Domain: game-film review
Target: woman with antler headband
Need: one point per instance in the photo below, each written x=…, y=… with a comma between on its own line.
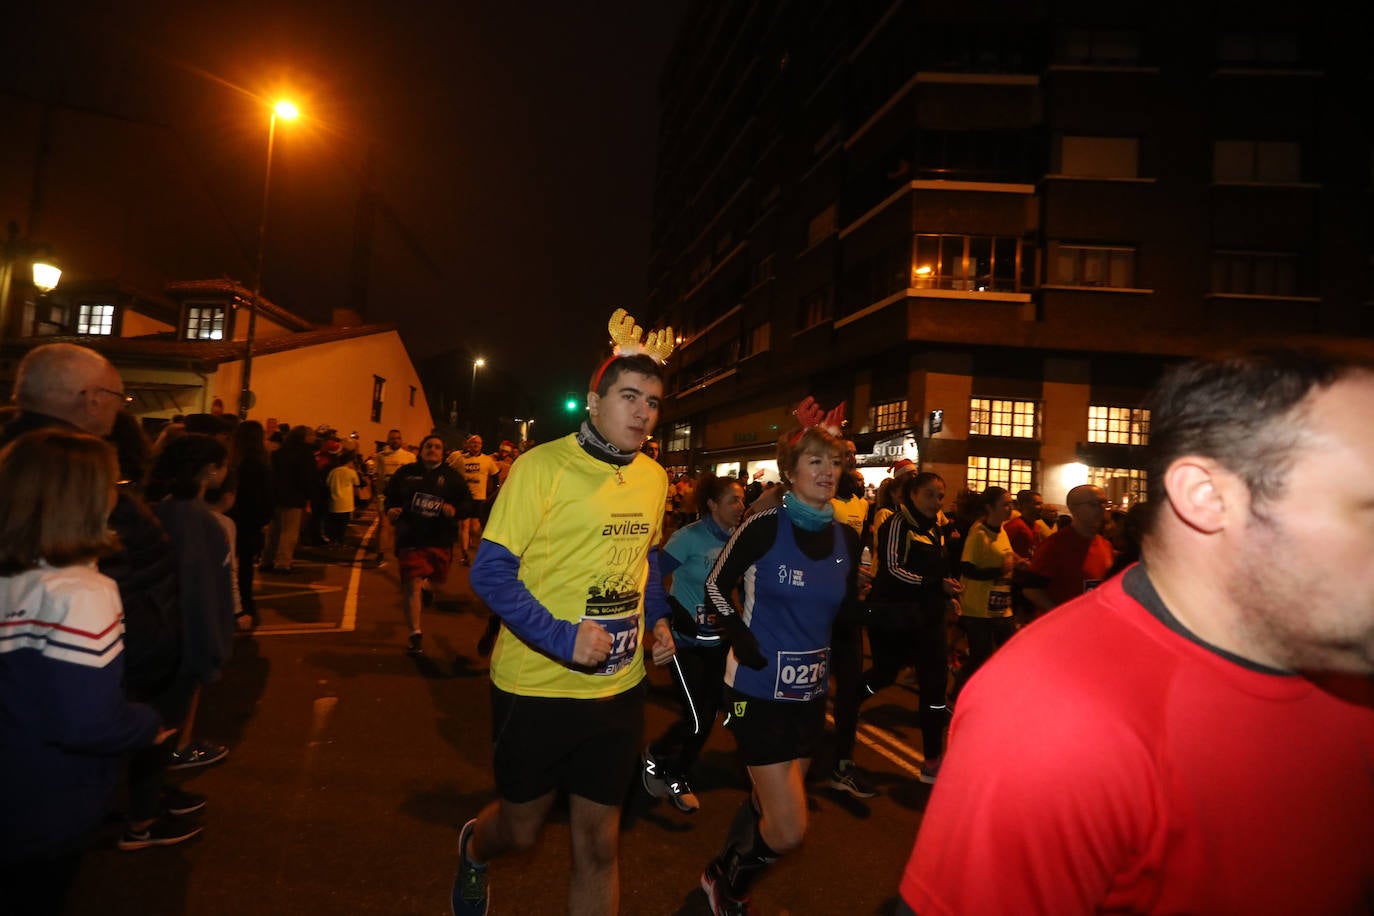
x=796, y=569
x=568, y=562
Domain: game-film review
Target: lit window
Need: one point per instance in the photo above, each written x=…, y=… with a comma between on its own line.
x=95, y=318
x=1124, y=486
x=889, y=416
x=1255, y=273
x=205, y=322
x=680, y=438
x=1119, y=425
x=1013, y=474
x=973, y=262
x=1014, y=419
x=1256, y=161
x=1092, y=265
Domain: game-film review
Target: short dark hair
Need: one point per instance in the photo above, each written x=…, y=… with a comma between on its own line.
x=989, y=498
x=1025, y=496
x=177, y=469
x=607, y=373
x=1246, y=412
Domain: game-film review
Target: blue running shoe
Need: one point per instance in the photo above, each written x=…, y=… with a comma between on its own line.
x=469, y=895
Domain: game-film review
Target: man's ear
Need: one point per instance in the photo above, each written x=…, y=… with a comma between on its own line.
x=1199, y=490
x=593, y=402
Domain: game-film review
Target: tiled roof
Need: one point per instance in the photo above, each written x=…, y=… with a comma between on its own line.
x=183, y=289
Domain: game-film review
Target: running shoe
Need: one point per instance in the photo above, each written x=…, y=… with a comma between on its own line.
x=200, y=754
x=849, y=778
x=929, y=770
x=652, y=775
x=718, y=894
x=180, y=802
x=165, y=831
x=413, y=648
x=681, y=794
x=469, y=895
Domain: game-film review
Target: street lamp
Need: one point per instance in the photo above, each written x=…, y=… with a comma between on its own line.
x=14, y=252
x=289, y=112
x=477, y=363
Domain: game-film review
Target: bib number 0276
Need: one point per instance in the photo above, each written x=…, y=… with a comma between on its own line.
x=801, y=675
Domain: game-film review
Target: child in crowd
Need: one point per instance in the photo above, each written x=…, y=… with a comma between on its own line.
x=64, y=719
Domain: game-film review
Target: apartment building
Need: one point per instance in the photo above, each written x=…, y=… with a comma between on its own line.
x=986, y=228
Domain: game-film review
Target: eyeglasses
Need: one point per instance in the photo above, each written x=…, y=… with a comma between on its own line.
x=127, y=399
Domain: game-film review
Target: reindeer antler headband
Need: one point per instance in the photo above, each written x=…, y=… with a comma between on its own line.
x=810, y=414
x=629, y=339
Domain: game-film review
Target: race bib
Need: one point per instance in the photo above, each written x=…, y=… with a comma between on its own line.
x=624, y=641
x=426, y=505
x=801, y=675
x=999, y=601
x=706, y=621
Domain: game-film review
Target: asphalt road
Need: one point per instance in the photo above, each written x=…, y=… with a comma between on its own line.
x=352, y=766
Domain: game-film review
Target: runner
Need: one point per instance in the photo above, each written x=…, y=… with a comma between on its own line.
x=568, y=562
x=795, y=567
x=699, y=668
x=425, y=501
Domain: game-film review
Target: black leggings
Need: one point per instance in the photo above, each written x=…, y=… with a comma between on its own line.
x=699, y=672
x=846, y=667
x=925, y=644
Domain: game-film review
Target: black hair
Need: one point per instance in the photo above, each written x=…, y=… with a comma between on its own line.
x=177, y=469
x=607, y=373
x=1246, y=412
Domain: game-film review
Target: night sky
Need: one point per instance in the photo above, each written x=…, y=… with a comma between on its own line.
x=514, y=147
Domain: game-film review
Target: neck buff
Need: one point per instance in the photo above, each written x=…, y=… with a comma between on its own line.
x=595, y=444
x=807, y=518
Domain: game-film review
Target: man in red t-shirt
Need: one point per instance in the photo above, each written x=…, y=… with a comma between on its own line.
x=1020, y=529
x=1111, y=757
x=1074, y=559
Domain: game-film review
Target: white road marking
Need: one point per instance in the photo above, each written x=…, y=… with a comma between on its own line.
x=900, y=753
x=349, y=622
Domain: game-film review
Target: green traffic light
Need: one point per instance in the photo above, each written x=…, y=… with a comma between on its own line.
x=570, y=405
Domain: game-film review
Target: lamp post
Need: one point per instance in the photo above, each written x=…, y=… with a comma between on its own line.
x=477, y=363
x=14, y=252
x=288, y=112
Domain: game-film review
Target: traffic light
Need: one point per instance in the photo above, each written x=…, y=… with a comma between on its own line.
x=570, y=403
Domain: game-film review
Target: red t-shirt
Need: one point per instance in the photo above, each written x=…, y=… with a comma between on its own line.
x=1072, y=563
x=1103, y=762
x=1021, y=537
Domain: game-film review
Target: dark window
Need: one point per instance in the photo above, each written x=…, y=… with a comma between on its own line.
x=378, y=390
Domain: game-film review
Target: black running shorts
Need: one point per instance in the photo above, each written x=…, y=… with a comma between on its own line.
x=774, y=731
x=588, y=747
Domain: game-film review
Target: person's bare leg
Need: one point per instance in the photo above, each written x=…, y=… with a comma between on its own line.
x=781, y=793
x=595, y=886
x=504, y=827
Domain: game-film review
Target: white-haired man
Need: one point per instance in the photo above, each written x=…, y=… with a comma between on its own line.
x=65, y=385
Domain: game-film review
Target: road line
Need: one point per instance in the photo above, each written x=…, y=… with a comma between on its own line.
x=902, y=754
x=350, y=612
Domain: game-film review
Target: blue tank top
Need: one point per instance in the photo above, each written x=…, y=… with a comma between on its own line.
x=790, y=602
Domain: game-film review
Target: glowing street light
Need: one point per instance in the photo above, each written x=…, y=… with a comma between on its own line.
x=45, y=276
x=288, y=112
